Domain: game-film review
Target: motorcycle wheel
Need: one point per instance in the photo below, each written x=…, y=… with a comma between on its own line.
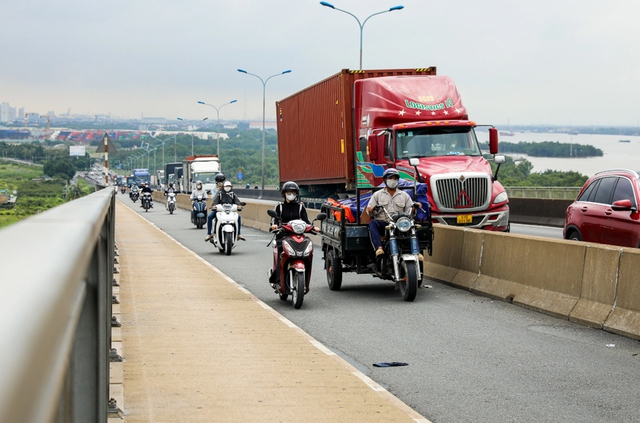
x=409, y=283
x=334, y=271
x=298, y=289
x=228, y=243
x=199, y=223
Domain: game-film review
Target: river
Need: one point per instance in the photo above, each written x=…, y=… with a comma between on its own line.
x=617, y=154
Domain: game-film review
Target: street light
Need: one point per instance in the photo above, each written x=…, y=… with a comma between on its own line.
x=264, y=85
x=324, y=3
x=218, y=113
x=192, y=131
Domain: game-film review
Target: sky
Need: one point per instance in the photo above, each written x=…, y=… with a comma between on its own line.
x=545, y=62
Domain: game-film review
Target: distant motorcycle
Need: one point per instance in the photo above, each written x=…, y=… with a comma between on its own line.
x=171, y=202
x=226, y=229
x=295, y=261
x=146, y=201
x=199, y=212
x=134, y=195
x=123, y=189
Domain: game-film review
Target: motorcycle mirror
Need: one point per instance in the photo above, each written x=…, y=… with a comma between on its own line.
x=272, y=213
x=242, y=203
x=321, y=216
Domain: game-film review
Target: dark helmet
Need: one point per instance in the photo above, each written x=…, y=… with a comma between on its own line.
x=390, y=172
x=220, y=178
x=290, y=186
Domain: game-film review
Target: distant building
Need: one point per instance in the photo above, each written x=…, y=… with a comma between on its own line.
x=258, y=125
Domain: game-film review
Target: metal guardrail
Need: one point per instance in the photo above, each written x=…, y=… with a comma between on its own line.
x=564, y=193
x=55, y=313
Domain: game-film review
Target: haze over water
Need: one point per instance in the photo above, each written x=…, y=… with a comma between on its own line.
x=616, y=154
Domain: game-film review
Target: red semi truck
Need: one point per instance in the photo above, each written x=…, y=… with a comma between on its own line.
x=343, y=132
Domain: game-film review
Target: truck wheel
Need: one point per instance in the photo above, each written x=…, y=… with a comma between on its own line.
x=334, y=271
x=298, y=289
x=409, y=283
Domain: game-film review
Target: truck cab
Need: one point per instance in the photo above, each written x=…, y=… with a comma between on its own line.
x=404, y=118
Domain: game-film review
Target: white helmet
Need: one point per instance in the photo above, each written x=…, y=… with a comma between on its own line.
x=227, y=186
x=199, y=184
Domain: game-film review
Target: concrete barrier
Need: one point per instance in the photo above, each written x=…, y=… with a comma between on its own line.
x=598, y=292
x=625, y=317
x=444, y=263
x=470, y=259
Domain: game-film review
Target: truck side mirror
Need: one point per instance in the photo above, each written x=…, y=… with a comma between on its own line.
x=493, y=141
x=374, y=151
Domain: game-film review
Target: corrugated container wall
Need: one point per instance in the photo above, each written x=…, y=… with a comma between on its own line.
x=315, y=128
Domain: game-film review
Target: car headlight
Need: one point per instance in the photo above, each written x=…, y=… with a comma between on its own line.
x=501, y=198
x=403, y=224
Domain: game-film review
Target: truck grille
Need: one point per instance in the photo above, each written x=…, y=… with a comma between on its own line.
x=461, y=192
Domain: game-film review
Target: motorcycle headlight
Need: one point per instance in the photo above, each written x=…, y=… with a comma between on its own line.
x=501, y=198
x=288, y=249
x=403, y=224
x=308, y=250
x=298, y=227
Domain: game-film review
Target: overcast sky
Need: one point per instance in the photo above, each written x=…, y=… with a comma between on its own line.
x=561, y=62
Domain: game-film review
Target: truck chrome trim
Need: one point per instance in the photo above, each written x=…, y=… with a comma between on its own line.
x=461, y=192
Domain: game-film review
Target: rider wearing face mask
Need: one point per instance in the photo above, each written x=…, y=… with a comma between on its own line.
x=290, y=209
x=393, y=200
x=224, y=196
x=199, y=191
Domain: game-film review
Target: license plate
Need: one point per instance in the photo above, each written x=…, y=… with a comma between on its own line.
x=464, y=218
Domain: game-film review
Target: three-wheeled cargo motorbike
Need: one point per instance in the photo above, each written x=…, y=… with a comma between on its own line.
x=347, y=247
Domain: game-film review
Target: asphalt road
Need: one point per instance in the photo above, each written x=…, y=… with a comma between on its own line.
x=471, y=359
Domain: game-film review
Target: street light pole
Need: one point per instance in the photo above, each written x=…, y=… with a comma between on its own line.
x=218, y=113
x=326, y=4
x=193, y=129
x=264, y=88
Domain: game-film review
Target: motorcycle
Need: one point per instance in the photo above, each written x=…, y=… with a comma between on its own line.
x=171, y=202
x=123, y=189
x=401, y=259
x=199, y=212
x=226, y=230
x=146, y=201
x=295, y=260
x=134, y=195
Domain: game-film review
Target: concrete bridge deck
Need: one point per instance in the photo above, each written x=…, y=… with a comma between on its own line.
x=199, y=348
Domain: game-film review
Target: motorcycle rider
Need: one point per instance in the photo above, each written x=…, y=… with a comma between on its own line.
x=224, y=196
x=393, y=200
x=170, y=189
x=199, y=191
x=146, y=188
x=290, y=209
x=134, y=188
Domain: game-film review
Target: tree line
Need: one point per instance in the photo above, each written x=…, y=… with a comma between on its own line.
x=547, y=149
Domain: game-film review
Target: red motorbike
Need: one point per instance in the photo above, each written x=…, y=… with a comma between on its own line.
x=296, y=258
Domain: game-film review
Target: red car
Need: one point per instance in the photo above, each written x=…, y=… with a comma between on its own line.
x=606, y=210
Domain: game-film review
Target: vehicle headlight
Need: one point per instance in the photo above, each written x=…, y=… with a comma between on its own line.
x=501, y=198
x=288, y=249
x=308, y=250
x=298, y=227
x=403, y=224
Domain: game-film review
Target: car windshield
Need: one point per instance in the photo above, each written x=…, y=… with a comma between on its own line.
x=205, y=177
x=437, y=141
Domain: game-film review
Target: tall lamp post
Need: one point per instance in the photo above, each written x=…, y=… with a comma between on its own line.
x=218, y=113
x=264, y=85
x=326, y=4
x=193, y=129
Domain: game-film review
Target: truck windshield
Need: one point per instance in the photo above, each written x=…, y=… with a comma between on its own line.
x=205, y=177
x=436, y=141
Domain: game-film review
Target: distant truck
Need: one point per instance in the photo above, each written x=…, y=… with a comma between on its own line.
x=343, y=132
x=173, y=174
x=199, y=168
x=141, y=175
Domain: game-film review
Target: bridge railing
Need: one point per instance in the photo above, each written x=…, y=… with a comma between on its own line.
x=564, y=193
x=55, y=313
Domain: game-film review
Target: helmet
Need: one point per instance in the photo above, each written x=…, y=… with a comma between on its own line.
x=227, y=184
x=390, y=172
x=199, y=184
x=171, y=185
x=220, y=178
x=290, y=186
